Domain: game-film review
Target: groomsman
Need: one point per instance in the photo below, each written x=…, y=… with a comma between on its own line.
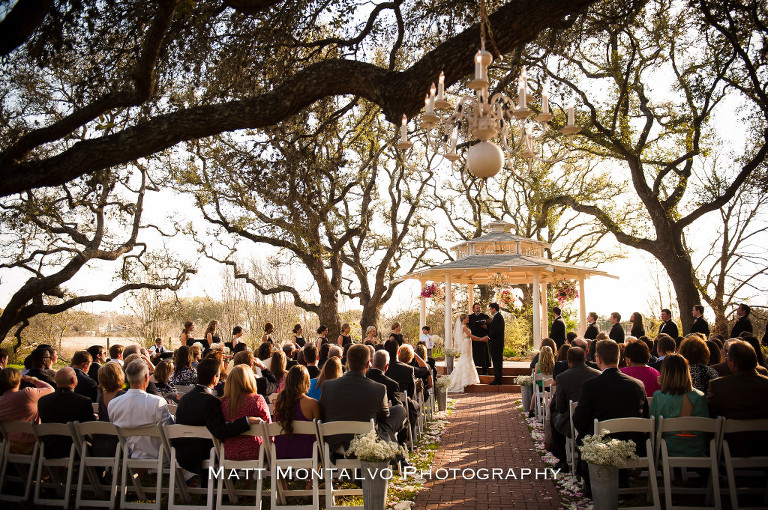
x=699, y=323
x=478, y=326
x=668, y=326
x=592, y=331
x=617, y=332
x=742, y=323
x=557, y=333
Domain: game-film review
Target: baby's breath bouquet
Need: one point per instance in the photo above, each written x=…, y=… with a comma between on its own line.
x=370, y=448
x=603, y=451
x=524, y=380
x=450, y=351
x=443, y=381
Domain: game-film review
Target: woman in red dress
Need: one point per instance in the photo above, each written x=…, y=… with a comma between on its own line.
x=240, y=399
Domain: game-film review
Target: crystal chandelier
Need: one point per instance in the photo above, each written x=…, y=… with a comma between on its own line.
x=495, y=127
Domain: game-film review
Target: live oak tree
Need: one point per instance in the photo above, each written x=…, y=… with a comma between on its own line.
x=154, y=73
x=708, y=51
x=51, y=234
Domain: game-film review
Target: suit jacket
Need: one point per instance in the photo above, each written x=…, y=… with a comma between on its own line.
x=723, y=369
x=569, y=385
x=617, y=333
x=562, y=366
x=314, y=372
x=741, y=396
x=86, y=386
x=392, y=386
x=700, y=326
x=63, y=406
x=404, y=375
x=591, y=332
x=478, y=324
x=611, y=394
x=266, y=384
x=93, y=372
x=670, y=328
x=742, y=324
x=496, y=332
x=39, y=374
x=557, y=332
x=352, y=397
x=201, y=408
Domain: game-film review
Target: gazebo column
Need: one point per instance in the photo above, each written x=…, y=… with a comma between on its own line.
x=582, y=308
x=536, y=313
x=448, y=325
x=422, y=308
x=544, y=310
x=470, y=295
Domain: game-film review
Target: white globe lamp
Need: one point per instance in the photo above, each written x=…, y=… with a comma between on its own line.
x=485, y=160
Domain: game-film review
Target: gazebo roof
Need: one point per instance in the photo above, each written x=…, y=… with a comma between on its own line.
x=512, y=268
x=500, y=232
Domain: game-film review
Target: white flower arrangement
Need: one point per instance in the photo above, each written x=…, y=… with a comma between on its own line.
x=443, y=381
x=524, y=380
x=453, y=353
x=370, y=448
x=602, y=451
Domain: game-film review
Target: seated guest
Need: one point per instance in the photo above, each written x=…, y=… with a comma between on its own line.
x=116, y=354
x=562, y=366
x=694, y=349
x=310, y=357
x=63, y=406
x=741, y=396
x=569, y=385
x=562, y=352
x=353, y=397
x=376, y=372
x=290, y=355
x=3, y=358
x=97, y=359
x=163, y=372
x=677, y=397
x=331, y=370
x=151, y=387
x=201, y=407
x=157, y=350
x=20, y=404
x=81, y=363
x=242, y=401
x=183, y=373
x=715, y=354
x=40, y=362
x=398, y=371
x=752, y=340
x=665, y=345
x=405, y=354
x=137, y=408
x=111, y=382
x=264, y=353
x=323, y=354
x=548, y=342
x=545, y=366
x=638, y=355
x=421, y=351
x=196, y=352
x=293, y=404
x=277, y=367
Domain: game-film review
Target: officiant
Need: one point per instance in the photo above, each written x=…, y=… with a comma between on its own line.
x=478, y=325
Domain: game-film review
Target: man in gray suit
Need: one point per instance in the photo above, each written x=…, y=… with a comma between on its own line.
x=568, y=387
x=354, y=397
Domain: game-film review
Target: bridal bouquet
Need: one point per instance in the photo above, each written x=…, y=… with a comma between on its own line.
x=443, y=381
x=602, y=451
x=450, y=351
x=370, y=448
x=524, y=380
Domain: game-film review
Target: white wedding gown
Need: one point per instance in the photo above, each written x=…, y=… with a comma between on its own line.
x=464, y=371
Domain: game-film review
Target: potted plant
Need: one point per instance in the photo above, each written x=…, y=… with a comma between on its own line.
x=605, y=456
x=374, y=454
x=526, y=389
x=441, y=393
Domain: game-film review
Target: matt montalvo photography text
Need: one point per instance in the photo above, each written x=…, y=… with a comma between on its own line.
x=387, y=473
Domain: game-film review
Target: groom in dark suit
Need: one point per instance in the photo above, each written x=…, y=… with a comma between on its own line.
x=496, y=342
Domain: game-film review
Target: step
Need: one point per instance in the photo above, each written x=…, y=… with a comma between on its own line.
x=506, y=379
x=487, y=388
x=507, y=371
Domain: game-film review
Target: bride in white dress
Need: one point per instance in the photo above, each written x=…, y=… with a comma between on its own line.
x=464, y=372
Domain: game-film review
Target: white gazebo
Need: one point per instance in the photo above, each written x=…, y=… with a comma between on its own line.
x=499, y=254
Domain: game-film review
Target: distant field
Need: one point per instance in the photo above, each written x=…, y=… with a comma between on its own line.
x=70, y=344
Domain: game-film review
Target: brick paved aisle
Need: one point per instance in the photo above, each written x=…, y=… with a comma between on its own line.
x=486, y=431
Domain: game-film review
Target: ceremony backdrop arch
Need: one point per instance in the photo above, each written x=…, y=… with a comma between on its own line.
x=514, y=259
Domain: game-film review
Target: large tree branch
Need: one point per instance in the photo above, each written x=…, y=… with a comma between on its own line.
x=21, y=22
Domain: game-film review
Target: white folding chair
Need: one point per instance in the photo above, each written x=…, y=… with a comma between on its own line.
x=310, y=464
x=403, y=397
x=228, y=465
x=23, y=463
x=86, y=434
x=547, y=397
x=181, y=389
x=177, y=482
x=134, y=468
x=272, y=398
x=95, y=407
x=538, y=396
x=430, y=404
x=690, y=424
x=753, y=467
x=642, y=426
x=172, y=409
x=570, y=442
x=56, y=468
x=649, y=399
x=333, y=469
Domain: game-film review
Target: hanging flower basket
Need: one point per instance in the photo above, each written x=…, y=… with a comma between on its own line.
x=566, y=291
x=507, y=299
x=429, y=291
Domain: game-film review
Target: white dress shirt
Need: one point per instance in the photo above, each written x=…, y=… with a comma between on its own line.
x=137, y=408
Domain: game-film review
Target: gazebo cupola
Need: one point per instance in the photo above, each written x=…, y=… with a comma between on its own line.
x=500, y=240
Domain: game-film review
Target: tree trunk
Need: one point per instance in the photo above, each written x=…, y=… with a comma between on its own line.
x=680, y=270
x=329, y=311
x=370, y=317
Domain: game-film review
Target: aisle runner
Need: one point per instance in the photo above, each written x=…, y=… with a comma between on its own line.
x=488, y=447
